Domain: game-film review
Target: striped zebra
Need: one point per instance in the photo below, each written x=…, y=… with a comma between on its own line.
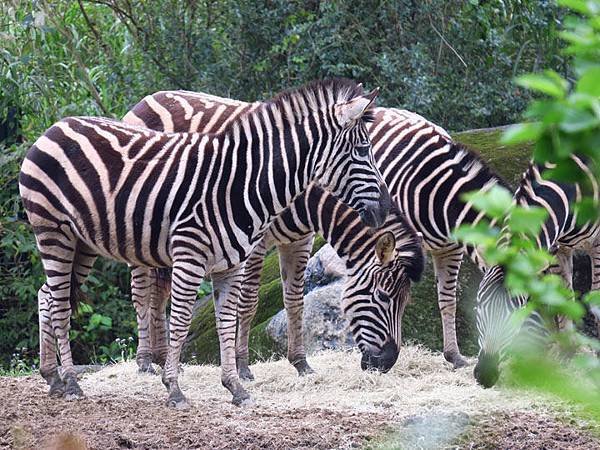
x=195, y=202
x=426, y=173
x=381, y=266
x=561, y=235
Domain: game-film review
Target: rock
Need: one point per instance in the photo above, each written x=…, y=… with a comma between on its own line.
x=324, y=324
x=324, y=267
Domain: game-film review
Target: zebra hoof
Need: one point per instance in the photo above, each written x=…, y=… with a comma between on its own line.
x=245, y=374
x=456, y=359
x=72, y=389
x=303, y=368
x=57, y=389
x=178, y=402
x=147, y=370
x=242, y=399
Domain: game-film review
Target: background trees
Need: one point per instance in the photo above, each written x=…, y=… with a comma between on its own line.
x=451, y=61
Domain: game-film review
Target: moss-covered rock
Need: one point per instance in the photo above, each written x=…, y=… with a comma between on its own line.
x=422, y=322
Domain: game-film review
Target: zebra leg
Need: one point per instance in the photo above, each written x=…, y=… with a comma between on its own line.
x=59, y=251
x=595, y=259
x=564, y=268
x=158, y=320
x=293, y=259
x=142, y=283
x=447, y=266
x=228, y=285
x=247, y=304
x=185, y=282
x=48, y=360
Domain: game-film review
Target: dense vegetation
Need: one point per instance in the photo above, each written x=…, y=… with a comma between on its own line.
x=451, y=61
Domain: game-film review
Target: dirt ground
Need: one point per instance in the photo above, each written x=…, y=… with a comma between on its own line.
x=421, y=403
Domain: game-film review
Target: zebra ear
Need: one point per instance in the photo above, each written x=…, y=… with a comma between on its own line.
x=349, y=112
x=385, y=247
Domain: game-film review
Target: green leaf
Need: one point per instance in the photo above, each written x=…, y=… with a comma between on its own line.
x=586, y=210
x=592, y=298
x=549, y=83
x=479, y=234
x=495, y=202
x=566, y=171
x=527, y=220
x=523, y=132
x=578, y=120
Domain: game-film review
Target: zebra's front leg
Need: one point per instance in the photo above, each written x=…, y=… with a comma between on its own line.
x=228, y=284
x=142, y=284
x=247, y=304
x=293, y=259
x=447, y=266
x=186, y=279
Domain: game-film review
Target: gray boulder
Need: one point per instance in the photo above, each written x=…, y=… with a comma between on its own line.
x=324, y=324
x=324, y=267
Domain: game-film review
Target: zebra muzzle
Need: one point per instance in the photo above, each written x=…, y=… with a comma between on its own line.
x=382, y=361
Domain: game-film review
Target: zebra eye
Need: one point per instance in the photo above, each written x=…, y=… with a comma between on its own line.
x=363, y=149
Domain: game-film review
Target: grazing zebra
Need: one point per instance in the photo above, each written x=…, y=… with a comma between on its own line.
x=195, y=202
x=426, y=173
x=561, y=235
x=381, y=264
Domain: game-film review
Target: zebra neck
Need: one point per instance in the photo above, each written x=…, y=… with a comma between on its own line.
x=340, y=225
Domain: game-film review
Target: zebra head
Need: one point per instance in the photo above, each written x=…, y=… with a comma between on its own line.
x=349, y=171
x=496, y=327
x=377, y=290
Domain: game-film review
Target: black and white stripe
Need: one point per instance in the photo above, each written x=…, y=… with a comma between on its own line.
x=561, y=235
x=195, y=202
x=426, y=173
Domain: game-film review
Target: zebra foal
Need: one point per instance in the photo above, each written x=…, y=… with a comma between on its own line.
x=195, y=202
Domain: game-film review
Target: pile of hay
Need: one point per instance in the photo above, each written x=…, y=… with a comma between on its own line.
x=420, y=382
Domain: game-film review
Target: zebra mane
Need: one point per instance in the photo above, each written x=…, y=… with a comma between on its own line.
x=317, y=95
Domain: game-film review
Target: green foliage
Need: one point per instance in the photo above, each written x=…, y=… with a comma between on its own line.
x=563, y=122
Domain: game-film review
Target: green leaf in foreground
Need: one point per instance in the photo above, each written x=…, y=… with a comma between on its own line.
x=549, y=83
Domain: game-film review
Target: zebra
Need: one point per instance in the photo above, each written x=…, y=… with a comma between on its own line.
x=425, y=170
x=381, y=266
x=561, y=235
x=195, y=202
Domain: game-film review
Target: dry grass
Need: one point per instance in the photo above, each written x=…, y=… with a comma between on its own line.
x=421, y=403
x=421, y=381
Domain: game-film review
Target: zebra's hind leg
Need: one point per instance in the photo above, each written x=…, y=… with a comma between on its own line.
x=564, y=268
x=142, y=284
x=595, y=259
x=58, y=251
x=228, y=285
x=48, y=360
x=247, y=304
x=447, y=266
x=293, y=259
x=158, y=316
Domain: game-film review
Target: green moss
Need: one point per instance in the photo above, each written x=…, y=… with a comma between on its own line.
x=261, y=346
x=270, y=270
x=507, y=160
